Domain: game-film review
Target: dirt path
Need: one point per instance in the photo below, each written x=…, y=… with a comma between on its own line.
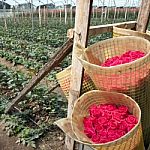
x=54, y=140
x=9, y=143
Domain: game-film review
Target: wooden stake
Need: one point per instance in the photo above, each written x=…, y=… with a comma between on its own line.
x=65, y=14
x=143, y=17
x=60, y=14
x=105, y=16
x=115, y=14
x=40, y=23
x=52, y=14
x=82, y=20
x=71, y=14
x=44, y=15
x=58, y=57
x=126, y=11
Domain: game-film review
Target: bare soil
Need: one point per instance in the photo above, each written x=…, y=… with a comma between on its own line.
x=54, y=140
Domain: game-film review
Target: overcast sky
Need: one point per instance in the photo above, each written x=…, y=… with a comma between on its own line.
x=95, y=2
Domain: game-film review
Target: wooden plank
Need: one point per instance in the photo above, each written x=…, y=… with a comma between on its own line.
x=82, y=20
x=57, y=58
x=95, y=30
x=143, y=16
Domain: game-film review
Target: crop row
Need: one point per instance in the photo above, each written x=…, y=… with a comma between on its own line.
x=38, y=105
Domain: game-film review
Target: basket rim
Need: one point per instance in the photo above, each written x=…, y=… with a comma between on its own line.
x=129, y=30
x=82, y=59
x=135, y=128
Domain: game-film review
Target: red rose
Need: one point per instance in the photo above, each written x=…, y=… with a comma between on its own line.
x=96, y=138
x=111, y=107
x=107, y=122
x=131, y=119
x=127, y=57
x=103, y=140
x=102, y=120
x=99, y=128
x=95, y=111
x=123, y=125
x=112, y=135
x=119, y=116
x=89, y=132
x=88, y=122
x=130, y=126
x=120, y=133
x=123, y=109
x=108, y=115
x=103, y=106
x=103, y=133
x=113, y=124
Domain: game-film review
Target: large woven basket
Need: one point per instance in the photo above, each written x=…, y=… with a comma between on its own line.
x=64, y=78
x=127, y=32
x=130, y=141
x=132, y=78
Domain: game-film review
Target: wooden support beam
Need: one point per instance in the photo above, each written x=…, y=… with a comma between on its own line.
x=57, y=58
x=82, y=21
x=143, y=16
x=95, y=30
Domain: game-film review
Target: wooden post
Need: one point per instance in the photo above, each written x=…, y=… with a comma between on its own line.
x=115, y=14
x=5, y=20
x=93, y=12
x=47, y=15
x=126, y=11
x=55, y=13
x=102, y=11
x=96, y=12
x=22, y=13
x=118, y=12
x=65, y=13
x=108, y=12
x=105, y=16
x=44, y=15
x=82, y=20
x=71, y=14
x=143, y=17
x=52, y=14
x=60, y=14
x=58, y=57
x=40, y=23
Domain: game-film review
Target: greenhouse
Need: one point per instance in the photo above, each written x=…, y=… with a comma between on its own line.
x=74, y=74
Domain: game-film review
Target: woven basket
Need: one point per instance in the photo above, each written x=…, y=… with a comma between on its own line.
x=130, y=141
x=64, y=78
x=132, y=78
x=127, y=32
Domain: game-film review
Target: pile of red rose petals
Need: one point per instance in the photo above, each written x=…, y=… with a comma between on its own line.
x=108, y=122
x=127, y=57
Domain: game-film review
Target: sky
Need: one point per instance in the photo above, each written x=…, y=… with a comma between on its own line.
x=95, y=2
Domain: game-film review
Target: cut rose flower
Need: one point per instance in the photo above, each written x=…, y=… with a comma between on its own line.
x=108, y=122
x=127, y=57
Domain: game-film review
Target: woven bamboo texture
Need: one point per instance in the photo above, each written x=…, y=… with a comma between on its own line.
x=130, y=141
x=64, y=78
x=132, y=78
x=127, y=32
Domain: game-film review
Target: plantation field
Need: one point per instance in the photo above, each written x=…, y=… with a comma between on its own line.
x=23, y=52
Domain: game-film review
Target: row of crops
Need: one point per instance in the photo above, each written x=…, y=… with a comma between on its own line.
x=20, y=45
x=38, y=110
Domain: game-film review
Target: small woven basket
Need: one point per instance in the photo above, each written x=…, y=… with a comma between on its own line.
x=64, y=78
x=127, y=32
x=130, y=141
x=132, y=78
